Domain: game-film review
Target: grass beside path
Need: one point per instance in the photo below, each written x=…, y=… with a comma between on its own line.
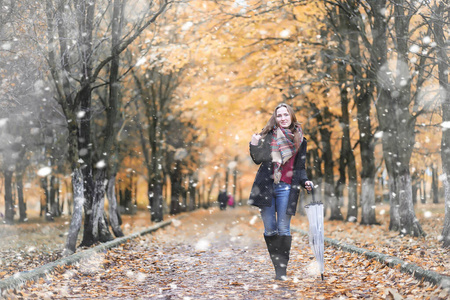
x=213, y=254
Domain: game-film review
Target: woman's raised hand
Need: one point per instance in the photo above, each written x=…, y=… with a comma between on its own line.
x=309, y=185
x=255, y=139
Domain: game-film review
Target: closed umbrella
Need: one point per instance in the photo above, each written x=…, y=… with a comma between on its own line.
x=314, y=211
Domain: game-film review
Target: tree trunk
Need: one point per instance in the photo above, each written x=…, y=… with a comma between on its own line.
x=126, y=195
x=211, y=187
x=175, y=179
x=201, y=194
x=443, y=67
x=394, y=223
x=414, y=186
x=192, y=193
x=341, y=182
x=445, y=154
x=75, y=222
x=424, y=192
x=54, y=209
x=48, y=212
x=114, y=215
x=9, y=205
x=235, y=174
x=113, y=119
x=227, y=175
x=408, y=222
x=404, y=134
x=434, y=184
x=155, y=175
x=59, y=203
x=88, y=207
x=368, y=201
x=347, y=159
x=446, y=228
x=327, y=158
x=184, y=196
x=156, y=201
x=363, y=94
x=22, y=204
x=100, y=230
x=396, y=122
x=403, y=218
x=95, y=227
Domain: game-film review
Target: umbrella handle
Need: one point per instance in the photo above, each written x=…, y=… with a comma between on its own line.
x=312, y=194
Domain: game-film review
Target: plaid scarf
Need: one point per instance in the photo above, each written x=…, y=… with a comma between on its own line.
x=283, y=148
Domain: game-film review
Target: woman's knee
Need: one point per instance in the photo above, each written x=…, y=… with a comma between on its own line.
x=284, y=227
x=270, y=232
x=284, y=231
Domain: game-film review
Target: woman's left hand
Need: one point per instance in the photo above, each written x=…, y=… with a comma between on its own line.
x=309, y=185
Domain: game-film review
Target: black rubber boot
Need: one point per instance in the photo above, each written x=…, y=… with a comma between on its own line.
x=285, y=242
x=279, y=248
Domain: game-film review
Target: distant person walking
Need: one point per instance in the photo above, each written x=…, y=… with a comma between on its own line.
x=230, y=200
x=222, y=199
x=280, y=148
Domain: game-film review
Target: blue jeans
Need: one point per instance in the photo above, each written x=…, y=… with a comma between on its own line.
x=275, y=219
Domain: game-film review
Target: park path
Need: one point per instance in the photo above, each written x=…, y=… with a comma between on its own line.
x=213, y=254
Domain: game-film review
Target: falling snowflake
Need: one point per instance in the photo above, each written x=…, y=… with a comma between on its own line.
x=81, y=114
x=285, y=34
x=187, y=26
x=202, y=245
x=414, y=48
x=445, y=125
x=3, y=122
x=100, y=164
x=42, y=172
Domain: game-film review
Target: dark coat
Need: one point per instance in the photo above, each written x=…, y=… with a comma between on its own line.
x=262, y=190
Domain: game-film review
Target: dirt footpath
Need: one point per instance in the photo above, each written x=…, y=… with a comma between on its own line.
x=213, y=254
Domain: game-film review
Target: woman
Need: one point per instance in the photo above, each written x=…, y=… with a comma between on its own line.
x=280, y=148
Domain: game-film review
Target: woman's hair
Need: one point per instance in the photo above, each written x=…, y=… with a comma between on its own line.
x=273, y=123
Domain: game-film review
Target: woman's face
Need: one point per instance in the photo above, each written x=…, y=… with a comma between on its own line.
x=283, y=117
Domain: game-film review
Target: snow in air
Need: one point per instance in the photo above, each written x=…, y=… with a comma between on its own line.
x=6, y=46
x=42, y=172
x=187, y=26
x=426, y=40
x=414, y=48
x=101, y=164
x=141, y=61
x=445, y=125
x=81, y=114
x=232, y=165
x=253, y=220
x=285, y=34
x=202, y=245
x=3, y=122
x=240, y=3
